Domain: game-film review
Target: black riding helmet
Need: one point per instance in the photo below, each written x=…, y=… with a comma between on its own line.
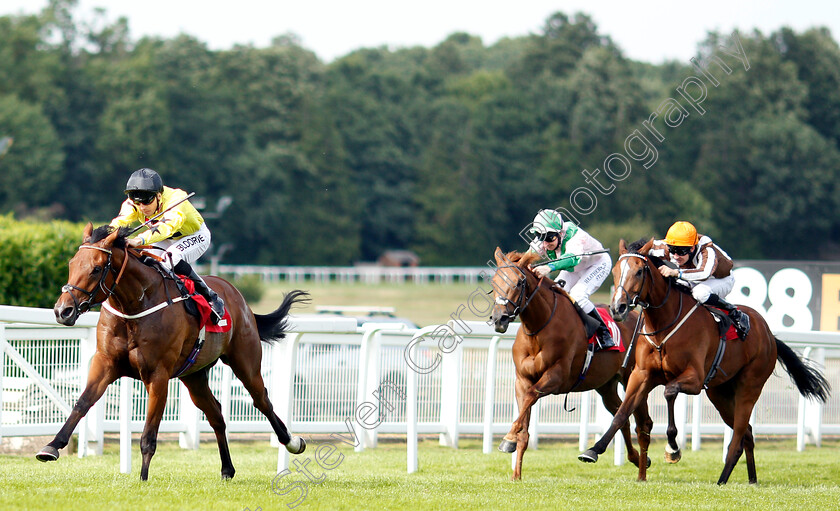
x=143, y=186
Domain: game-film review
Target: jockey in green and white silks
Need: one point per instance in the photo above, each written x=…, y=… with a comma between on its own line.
x=583, y=275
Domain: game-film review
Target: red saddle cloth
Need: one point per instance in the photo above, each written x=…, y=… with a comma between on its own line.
x=731, y=333
x=614, y=331
x=204, y=310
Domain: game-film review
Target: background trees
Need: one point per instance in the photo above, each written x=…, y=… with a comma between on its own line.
x=448, y=150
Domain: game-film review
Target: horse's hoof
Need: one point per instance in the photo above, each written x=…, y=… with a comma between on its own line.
x=48, y=453
x=228, y=475
x=589, y=456
x=507, y=446
x=671, y=457
x=296, y=445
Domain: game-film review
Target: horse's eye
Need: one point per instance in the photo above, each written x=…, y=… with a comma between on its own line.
x=96, y=270
x=639, y=272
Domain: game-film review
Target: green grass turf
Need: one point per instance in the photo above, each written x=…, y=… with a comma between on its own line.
x=425, y=304
x=448, y=479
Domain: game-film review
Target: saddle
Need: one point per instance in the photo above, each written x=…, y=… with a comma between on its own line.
x=726, y=328
x=183, y=289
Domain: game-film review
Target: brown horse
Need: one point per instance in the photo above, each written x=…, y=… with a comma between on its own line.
x=551, y=350
x=684, y=351
x=153, y=345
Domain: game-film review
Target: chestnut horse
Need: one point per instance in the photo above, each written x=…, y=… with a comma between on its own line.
x=153, y=344
x=684, y=351
x=551, y=349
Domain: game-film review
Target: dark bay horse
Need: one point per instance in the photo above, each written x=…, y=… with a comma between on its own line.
x=551, y=349
x=153, y=345
x=680, y=352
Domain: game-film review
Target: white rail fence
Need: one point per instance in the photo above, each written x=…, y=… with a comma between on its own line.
x=330, y=375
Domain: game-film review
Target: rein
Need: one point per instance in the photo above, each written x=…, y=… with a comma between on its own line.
x=637, y=300
x=86, y=305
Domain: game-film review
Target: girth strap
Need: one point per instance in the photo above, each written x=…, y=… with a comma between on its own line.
x=716, y=363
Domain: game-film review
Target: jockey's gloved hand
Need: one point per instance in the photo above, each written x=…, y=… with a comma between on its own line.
x=135, y=242
x=668, y=272
x=542, y=270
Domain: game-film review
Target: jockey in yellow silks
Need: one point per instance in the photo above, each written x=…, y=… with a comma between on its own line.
x=180, y=232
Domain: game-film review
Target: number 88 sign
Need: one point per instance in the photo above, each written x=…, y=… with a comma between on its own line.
x=788, y=292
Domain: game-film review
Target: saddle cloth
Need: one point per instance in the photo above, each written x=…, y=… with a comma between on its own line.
x=725, y=325
x=614, y=331
x=204, y=310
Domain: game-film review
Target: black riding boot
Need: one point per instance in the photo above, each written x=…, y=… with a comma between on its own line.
x=603, y=335
x=217, y=305
x=739, y=319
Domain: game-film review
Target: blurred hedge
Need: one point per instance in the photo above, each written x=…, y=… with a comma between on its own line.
x=33, y=260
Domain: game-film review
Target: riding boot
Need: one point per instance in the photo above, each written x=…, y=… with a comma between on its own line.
x=217, y=305
x=603, y=335
x=739, y=319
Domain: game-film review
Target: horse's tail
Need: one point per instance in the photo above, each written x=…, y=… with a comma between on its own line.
x=808, y=379
x=272, y=327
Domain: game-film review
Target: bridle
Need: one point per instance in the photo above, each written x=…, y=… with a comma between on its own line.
x=85, y=305
x=636, y=300
x=522, y=288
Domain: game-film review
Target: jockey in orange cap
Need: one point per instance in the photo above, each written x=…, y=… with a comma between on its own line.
x=704, y=267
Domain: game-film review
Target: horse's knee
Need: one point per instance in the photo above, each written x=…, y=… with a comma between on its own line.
x=671, y=390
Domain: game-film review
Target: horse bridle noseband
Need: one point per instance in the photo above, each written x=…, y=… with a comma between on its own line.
x=518, y=307
x=85, y=305
x=636, y=300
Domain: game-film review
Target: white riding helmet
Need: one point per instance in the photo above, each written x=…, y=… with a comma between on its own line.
x=547, y=220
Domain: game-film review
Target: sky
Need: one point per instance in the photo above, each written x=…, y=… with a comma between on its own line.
x=647, y=30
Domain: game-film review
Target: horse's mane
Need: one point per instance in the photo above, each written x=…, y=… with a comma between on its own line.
x=523, y=259
x=637, y=245
x=103, y=231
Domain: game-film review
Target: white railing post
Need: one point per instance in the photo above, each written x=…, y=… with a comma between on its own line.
x=285, y=389
x=411, y=414
x=2, y=370
x=585, y=411
x=189, y=416
x=490, y=393
x=814, y=408
x=450, y=406
x=696, y=413
x=87, y=348
x=126, y=388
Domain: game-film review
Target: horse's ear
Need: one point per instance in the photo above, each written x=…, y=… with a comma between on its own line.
x=87, y=232
x=109, y=241
x=499, y=255
x=622, y=247
x=646, y=248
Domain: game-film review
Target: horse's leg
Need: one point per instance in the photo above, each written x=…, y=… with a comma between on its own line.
x=245, y=363
x=203, y=398
x=689, y=383
x=101, y=374
x=157, y=388
x=638, y=387
x=508, y=444
x=644, y=424
x=612, y=402
x=735, y=410
x=522, y=440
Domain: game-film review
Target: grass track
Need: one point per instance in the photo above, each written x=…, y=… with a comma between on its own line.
x=448, y=479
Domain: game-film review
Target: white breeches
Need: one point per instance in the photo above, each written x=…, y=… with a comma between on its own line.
x=584, y=281
x=720, y=287
x=189, y=248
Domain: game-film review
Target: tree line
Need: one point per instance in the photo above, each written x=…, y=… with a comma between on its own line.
x=448, y=151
